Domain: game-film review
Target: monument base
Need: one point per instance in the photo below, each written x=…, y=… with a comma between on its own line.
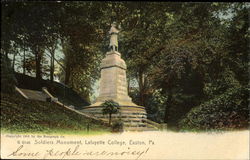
x=113, y=86
x=121, y=103
x=133, y=117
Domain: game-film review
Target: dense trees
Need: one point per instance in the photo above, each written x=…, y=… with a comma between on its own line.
x=192, y=61
x=180, y=56
x=7, y=76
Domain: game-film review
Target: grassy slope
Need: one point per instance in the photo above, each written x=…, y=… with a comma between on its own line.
x=62, y=92
x=21, y=115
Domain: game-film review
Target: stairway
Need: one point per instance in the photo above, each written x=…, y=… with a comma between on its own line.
x=33, y=94
x=134, y=119
x=44, y=94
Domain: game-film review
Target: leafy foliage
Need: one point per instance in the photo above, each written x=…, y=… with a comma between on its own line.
x=19, y=114
x=117, y=126
x=8, y=80
x=110, y=107
x=190, y=54
x=226, y=111
x=179, y=55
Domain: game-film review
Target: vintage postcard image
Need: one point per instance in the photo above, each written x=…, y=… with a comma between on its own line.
x=124, y=80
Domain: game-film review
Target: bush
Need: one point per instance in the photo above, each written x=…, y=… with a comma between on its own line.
x=117, y=126
x=155, y=106
x=110, y=107
x=8, y=80
x=226, y=111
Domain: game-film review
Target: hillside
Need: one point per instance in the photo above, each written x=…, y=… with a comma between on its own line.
x=21, y=115
x=64, y=94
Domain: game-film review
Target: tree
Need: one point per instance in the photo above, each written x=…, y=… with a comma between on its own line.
x=8, y=80
x=238, y=37
x=110, y=107
x=51, y=47
x=180, y=53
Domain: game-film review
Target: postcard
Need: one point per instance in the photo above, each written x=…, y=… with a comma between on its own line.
x=124, y=80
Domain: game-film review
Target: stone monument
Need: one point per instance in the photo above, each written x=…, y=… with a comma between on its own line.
x=113, y=83
x=113, y=86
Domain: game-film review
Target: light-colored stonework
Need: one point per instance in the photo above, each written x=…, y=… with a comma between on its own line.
x=113, y=83
x=113, y=86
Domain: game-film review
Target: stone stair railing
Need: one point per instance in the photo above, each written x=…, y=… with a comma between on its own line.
x=153, y=124
x=32, y=94
x=55, y=100
x=21, y=92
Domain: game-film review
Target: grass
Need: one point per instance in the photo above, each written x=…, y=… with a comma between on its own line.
x=19, y=115
x=56, y=132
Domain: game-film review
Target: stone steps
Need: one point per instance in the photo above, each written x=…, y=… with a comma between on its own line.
x=121, y=116
x=34, y=95
x=133, y=119
x=123, y=110
x=139, y=129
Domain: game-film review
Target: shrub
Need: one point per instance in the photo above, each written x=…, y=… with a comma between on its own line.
x=226, y=111
x=117, y=126
x=110, y=107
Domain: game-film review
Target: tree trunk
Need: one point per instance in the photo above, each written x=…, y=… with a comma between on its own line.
x=6, y=51
x=141, y=87
x=38, y=55
x=6, y=54
x=52, y=65
x=67, y=74
x=67, y=68
x=110, y=119
x=169, y=101
x=52, y=49
x=13, y=61
x=24, y=60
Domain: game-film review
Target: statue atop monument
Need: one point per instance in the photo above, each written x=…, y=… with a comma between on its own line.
x=113, y=45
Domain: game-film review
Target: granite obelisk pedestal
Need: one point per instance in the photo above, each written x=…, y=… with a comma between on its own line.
x=113, y=83
x=113, y=86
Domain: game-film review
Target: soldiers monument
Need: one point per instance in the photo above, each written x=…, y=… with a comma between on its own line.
x=113, y=86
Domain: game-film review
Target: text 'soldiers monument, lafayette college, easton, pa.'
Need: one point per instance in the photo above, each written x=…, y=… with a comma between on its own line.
x=113, y=86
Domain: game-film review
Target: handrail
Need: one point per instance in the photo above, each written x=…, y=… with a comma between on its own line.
x=157, y=125
x=19, y=91
x=65, y=106
x=153, y=126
